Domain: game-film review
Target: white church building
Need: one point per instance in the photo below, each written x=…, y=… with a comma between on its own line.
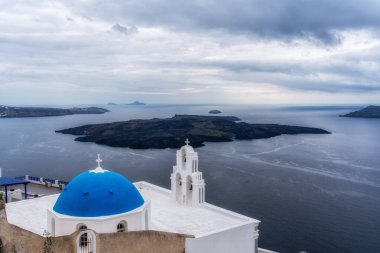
x=102, y=211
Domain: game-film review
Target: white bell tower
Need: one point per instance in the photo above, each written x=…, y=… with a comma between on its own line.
x=187, y=183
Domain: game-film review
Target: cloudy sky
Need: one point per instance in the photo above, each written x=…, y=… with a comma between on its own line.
x=199, y=51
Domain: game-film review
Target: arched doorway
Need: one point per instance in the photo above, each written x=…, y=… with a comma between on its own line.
x=86, y=242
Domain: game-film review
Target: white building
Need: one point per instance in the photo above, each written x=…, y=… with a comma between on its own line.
x=100, y=202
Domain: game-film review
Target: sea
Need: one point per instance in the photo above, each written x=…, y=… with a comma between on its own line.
x=317, y=193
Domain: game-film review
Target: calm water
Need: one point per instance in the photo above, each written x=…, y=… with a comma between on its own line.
x=319, y=193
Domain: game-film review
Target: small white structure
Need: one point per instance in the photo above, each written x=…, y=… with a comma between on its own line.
x=98, y=200
x=187, y=183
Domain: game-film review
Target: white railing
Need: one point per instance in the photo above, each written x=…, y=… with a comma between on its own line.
x=45, y=181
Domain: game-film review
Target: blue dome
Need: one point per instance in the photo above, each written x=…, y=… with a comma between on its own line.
x=94, y=193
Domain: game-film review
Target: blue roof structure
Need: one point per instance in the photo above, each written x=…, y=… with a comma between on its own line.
x=6, y=181
x=98, y=193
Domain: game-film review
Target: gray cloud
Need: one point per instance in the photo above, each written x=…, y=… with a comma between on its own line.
x=317, y=20
x=189, y=52
x=124, y=29
x=355, y=77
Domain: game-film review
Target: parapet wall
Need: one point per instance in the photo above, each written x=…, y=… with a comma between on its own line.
x=14, y=239
x=141, y=242
x=17, y=240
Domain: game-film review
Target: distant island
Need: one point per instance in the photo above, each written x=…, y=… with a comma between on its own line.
x=23, y=112
x=214, y=112
x=137, y=103
x=371, y=111
x=171, y=132
x=111, y=103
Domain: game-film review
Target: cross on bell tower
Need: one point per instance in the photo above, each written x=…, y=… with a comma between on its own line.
x=187, y=142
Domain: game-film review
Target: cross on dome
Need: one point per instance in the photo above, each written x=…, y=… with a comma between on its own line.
x=98, y=169
x=187, y=142
x=99, y=160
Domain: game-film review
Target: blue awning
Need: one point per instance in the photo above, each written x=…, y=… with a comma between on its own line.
x=6, y=181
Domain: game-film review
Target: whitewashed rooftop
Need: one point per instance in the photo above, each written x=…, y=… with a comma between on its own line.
x=167, y=215
x=31, y=214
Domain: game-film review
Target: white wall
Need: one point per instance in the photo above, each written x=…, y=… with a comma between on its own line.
x=241, y=239
x=66, y=225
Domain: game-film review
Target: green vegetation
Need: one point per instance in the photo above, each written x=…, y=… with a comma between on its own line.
x=48, y=243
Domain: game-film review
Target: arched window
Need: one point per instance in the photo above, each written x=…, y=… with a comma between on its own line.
x=86, y=242
x=122, y=227
x=179, y=179
x=184, y=156
x=189, y=183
